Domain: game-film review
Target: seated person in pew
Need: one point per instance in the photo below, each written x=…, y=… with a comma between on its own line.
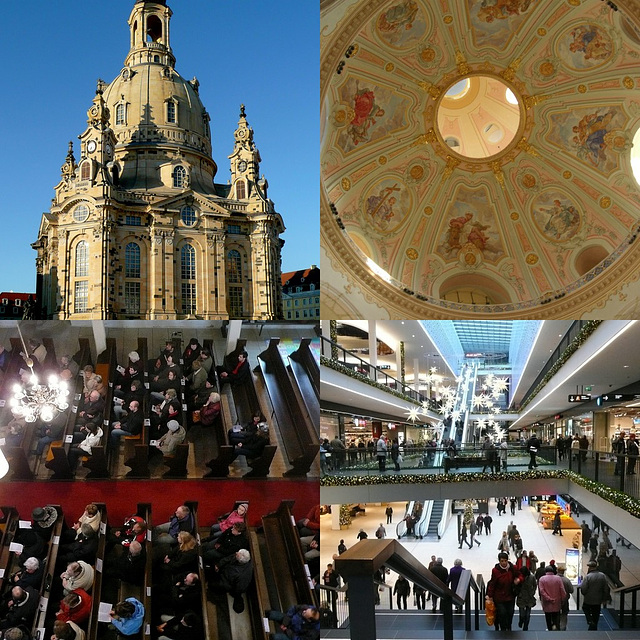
x=170, y=379
x=181, y=520
x=196, y=401
x=43, y=520
x=186, y=593
x=233, y=575
x=33, y=545
x=13, y=432
x=180, y=559
x=169, y=441
x=91, y=516
x=252, y=447
x=191, y=354
x=210, y=410
x=227, y=521
x=206, y=361
x=49, y=432
x=258, y=423
x=133, y=371
x=229, y=542
x=196, y=379
x=310, y=524
x=165, y=406
x=75, y=607
x=131, y=425
x=30, y=576
x=92, y=381
x=16, y=633
x=19, y=607
x=68, y=364
x=67, y=631
x=84, y=547
x=90, y=435
x=300, y=621
x=186, y=627
x=133, y=529
x=127, y=616
x=122, y=398
x=155, y=368
x=239, y=374
x=128, y=567
x=77, y=575
x=36, y=354
x=91, y=411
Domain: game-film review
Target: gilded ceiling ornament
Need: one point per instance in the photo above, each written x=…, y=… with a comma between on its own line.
x=605, y=202
x=448, y=19
x=510, y=72
x=433, y=90
x=382, y=160
x=546, y=69
x=496, y=167
x=525, y=146
x=416, y=172
x=515, y=215
x=582, y=88
x=532, y=259
x=542, y=31
x=532, y=101
x=412, y=254
x=428, y=211
x=529, y=180
x=574, y=3
x=628, y=83
x=346, y=184
x=452, y=163
x=567, y=175
x=461, y=62
x=389, y=66
x=427, y=54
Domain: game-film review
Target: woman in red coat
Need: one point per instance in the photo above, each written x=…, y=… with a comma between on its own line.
x=501, y=588
x=75, y=607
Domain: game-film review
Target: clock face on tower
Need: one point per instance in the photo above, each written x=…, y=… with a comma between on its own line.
x=242, y=165
x=91, y=146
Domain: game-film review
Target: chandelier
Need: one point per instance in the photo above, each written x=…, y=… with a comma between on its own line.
x=40, y=400
x=35, y=400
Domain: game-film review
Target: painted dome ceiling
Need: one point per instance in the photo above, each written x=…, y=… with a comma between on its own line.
x=476, y=154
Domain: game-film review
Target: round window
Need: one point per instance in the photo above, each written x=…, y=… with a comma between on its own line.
x=188, y=216
x=81, y=213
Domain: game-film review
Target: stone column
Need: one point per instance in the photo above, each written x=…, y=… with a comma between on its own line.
x=373, y=348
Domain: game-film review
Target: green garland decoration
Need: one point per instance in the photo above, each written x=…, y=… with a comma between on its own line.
x=468, y=518
x=333, y=336
x=577, y=342
x=402, y=356
x=345, y=515
x=347, y=371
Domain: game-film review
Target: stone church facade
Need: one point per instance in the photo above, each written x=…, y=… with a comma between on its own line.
x=138, y=228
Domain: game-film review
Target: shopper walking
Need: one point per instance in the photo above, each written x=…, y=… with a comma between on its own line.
x=503, y=545
x=389, y=513
x=501, y=590
x=632, y=453
x=568, y=588
x=443, y=575
x=381, y=452
x=595, y=593
x=526, y=598
x=533, y=446
x=419, y=595
x=402, y=590
x=462, y=538
x=552, y=595
x=557, y=522
x=480, y=523
x=487, y=520
x=473, y=530
x=381, y=532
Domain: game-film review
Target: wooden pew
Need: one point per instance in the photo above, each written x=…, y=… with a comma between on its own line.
x=299, y=436
x=177, y=463
x=303, y=356
x=93, y=628
x=245, y=397
x=257, y=594
x=285, y=550
x=210, y=630
x=98, y=462
x=50, y=364
x=308, y=387
x=136, y=455
x=8, y=531
x=46, y=607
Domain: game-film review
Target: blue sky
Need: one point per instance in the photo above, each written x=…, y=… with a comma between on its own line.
x=262, y=54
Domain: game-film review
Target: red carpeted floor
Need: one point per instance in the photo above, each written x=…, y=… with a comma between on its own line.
x=214, y=497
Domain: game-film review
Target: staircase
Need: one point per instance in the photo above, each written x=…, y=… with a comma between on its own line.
x=434, y=521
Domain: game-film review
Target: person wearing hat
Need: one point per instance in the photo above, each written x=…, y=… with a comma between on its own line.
x=632, y=453
x=169, y=442
x=44, y=519
x=552, y=595
x=568, y=587
x=595, y=593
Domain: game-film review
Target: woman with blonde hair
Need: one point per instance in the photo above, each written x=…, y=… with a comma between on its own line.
x=210, y=410
x=184, y=558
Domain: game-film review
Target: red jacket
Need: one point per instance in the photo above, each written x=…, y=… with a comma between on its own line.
x=500, y=586
x=314, y=518
x=79, y=614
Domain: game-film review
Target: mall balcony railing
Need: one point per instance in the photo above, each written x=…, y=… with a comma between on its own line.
x=624, y=606
x=351, y=364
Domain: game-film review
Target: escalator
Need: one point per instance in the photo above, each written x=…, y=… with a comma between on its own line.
x=437, y=510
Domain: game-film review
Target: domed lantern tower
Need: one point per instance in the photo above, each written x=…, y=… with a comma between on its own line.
x=139, y=229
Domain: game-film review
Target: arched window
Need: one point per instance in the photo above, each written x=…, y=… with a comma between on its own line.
x=82, y=259
x=171, y=111
x=188, y=216
x=188, y=276
x=132, y=261
x=234, y=266
x=240, y=190
x=179, y=176
x=85, y=171
x=120, y=114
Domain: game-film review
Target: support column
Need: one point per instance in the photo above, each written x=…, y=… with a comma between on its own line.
x=220, y=276
x=233, y=333
x=362, y=607
x=373, y=349
x=416, y=374
x=601, y=440
x=400, y=361
x=335, y=517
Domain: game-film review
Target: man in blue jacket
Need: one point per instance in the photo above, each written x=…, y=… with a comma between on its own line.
x=127, y=616
x=301, y=622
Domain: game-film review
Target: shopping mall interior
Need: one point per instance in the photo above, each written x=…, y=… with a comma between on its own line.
x=539, y=414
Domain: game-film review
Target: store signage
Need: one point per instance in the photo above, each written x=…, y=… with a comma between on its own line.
x=617, y=397
x=582, y=397
x=572, y=564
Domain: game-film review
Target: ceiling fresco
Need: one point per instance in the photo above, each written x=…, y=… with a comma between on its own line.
x=549, y=208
